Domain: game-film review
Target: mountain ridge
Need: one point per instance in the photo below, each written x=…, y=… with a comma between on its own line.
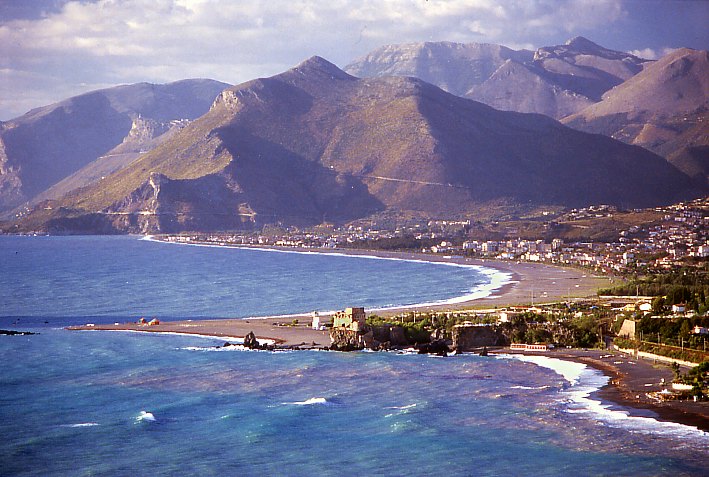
x=315, y=144
x=564, y=78
x=47, y=144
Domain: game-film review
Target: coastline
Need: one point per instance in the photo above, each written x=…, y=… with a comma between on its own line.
x=548, y=283
x=629, y=382
x=629, y=379
x=521, y=283
x=528, y=283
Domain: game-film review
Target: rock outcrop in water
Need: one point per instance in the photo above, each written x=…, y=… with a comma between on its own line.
x=472, y=338
x=351, y=340
x=16, y=333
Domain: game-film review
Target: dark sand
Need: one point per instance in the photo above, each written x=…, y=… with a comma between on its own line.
x=630, y=382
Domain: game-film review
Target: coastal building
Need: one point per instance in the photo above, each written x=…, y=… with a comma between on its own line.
x=317, y=323
x=508, y=316
x=352, y=319
x=529, y=347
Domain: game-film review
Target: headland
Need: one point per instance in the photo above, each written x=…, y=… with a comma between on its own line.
x=631, y=381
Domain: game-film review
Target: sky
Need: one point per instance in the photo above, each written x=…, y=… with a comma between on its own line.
x=51, y=50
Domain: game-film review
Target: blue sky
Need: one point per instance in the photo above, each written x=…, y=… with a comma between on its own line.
x=53, y=49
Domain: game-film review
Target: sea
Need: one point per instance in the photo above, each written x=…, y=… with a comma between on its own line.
x=108, y=403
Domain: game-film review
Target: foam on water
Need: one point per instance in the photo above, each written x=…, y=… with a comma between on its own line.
x=82, y=424
x=585, y=380
x=309, y=402
x=145, y=416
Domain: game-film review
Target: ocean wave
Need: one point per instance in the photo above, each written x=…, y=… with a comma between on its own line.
x=400, y=410
x=236, y=347
x=81, y=424
x=145, y=416
x=309, y=402
x=585, y=380
x=530, y=388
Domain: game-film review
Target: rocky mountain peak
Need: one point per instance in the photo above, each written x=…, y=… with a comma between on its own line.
x=582, y=44
x=316, y=65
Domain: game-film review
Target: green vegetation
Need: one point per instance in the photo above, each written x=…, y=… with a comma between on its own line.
x=674, y=352
x=673, y=331
x=561, y=329
x=688, y=285
x=697, y=377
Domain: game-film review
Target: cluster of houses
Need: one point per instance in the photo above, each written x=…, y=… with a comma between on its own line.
x=682, y=232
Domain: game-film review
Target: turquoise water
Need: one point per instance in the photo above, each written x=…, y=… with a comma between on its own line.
x=113, y=403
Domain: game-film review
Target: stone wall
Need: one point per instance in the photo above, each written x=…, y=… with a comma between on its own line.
x=627, y=329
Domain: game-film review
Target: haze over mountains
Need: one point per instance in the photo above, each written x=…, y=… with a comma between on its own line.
x=315, y=144
x=44, y=146
x=664, y=108
x=555, y=81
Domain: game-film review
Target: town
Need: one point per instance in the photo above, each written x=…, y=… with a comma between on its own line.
x=647, y=240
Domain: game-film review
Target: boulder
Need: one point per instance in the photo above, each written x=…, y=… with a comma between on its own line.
x=437, y=347
x=251, y=342
x=397, y=336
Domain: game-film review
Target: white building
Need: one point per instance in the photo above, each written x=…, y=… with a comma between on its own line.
x=316, y=321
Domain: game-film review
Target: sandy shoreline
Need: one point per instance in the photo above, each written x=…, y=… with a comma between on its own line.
x=630, y=382
x=530, y=283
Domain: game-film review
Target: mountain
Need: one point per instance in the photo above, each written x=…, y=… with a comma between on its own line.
x=664, y=108
x=48, y=144
x=453, y=67
x=314, y=145
x=555, y=81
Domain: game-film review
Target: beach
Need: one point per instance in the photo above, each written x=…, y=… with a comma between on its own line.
x=630, y=383
x=526, y=284
x=630, y=380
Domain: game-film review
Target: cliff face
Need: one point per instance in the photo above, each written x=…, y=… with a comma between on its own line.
x=470, y=338
x=376, y=338
x=315, y=144
x=349, y=340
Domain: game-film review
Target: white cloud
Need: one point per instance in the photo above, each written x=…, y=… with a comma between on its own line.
x=652, y=54
x=125, y=41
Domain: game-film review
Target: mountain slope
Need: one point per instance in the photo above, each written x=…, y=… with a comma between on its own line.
x=555, y=81
x=453, y=67
x=47, y=144
x=315, y=144
x=665, y=108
